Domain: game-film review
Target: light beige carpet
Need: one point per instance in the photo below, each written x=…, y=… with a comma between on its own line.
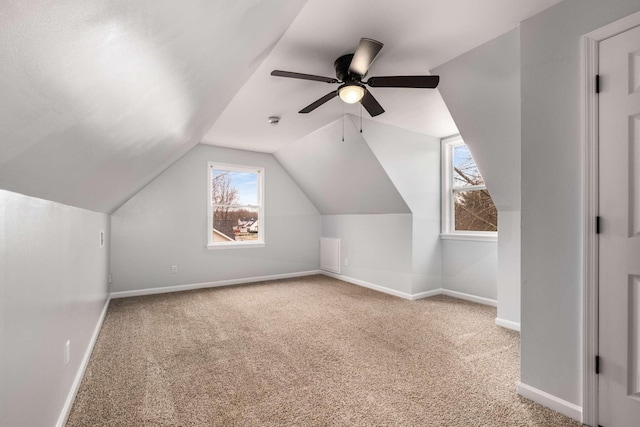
x=307, y=352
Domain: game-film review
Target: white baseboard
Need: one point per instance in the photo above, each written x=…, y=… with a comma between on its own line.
x=369, y=285
x=508, y=324
x=66, y=409
x=426, y=294
x=469, y=297
x=550, y=401
x=178, y=288
x=412, y=297
x=379, y=288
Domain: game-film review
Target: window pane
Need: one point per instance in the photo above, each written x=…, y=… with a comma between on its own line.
x=475, y=211
x=465, y=172
x=234, y=188
x=235, y=224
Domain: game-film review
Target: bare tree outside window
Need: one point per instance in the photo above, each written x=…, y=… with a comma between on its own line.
x=473, y=208
x=235, y=202
x=222, y=193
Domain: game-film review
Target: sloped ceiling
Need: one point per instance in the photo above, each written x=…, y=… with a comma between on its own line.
x=100, y=97
x=485, y=100
x=341, y=177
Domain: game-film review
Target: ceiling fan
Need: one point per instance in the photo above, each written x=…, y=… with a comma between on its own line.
x=350, y=70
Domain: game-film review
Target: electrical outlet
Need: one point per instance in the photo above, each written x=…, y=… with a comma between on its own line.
x=174, y=269
x=67, y=353
x=346, y=262
x=110, y=278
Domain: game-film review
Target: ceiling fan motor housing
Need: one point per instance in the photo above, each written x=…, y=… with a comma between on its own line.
x=342, y=69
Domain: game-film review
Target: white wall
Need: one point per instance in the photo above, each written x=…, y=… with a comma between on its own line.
x=166, y=224
x=53, y=284
x=378, y=248
x=551, y=191
x=412, y=162
x=482, y=91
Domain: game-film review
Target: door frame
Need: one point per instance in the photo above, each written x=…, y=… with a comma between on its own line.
x=590, y=128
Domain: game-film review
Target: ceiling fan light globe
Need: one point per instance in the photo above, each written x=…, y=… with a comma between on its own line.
x=351, y=93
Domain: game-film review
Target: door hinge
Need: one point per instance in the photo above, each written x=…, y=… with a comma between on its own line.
x=597, y=365
x=598, y=224
x=597, y=83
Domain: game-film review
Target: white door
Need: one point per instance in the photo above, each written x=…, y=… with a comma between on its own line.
x=619, y=281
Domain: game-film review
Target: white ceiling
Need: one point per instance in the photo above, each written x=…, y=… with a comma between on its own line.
x=98, y=98
x=418, y=36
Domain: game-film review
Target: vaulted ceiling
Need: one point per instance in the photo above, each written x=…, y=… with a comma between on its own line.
x=417, y=35
x=98, y=97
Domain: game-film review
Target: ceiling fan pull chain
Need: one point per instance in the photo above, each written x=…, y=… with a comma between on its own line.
x=360, y=118
x=342, y=122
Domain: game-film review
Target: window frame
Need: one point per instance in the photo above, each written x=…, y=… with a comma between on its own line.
x=210, y=207
x=447, y=193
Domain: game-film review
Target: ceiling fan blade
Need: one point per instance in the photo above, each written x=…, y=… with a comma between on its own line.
x=366, y=52
x=302, y=76
x=328, y=97
x=370, y=104
x=426, y=82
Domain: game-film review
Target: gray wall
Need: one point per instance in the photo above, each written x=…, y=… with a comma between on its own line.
x=341, y=177
x=509, y=279
x=53, y=284
x=378, y=248
x=379, y=192
x=412, y=162
x=470, y=267
x=552, y=191
x=482, y=91
x=402, y=252
x=359, y=201
x=166, y=224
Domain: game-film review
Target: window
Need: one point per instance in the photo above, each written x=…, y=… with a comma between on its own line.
x=467, y=209
x=236, y=206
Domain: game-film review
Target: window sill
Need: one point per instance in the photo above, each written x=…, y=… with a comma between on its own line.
x=236, y=246
x=470, y=236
